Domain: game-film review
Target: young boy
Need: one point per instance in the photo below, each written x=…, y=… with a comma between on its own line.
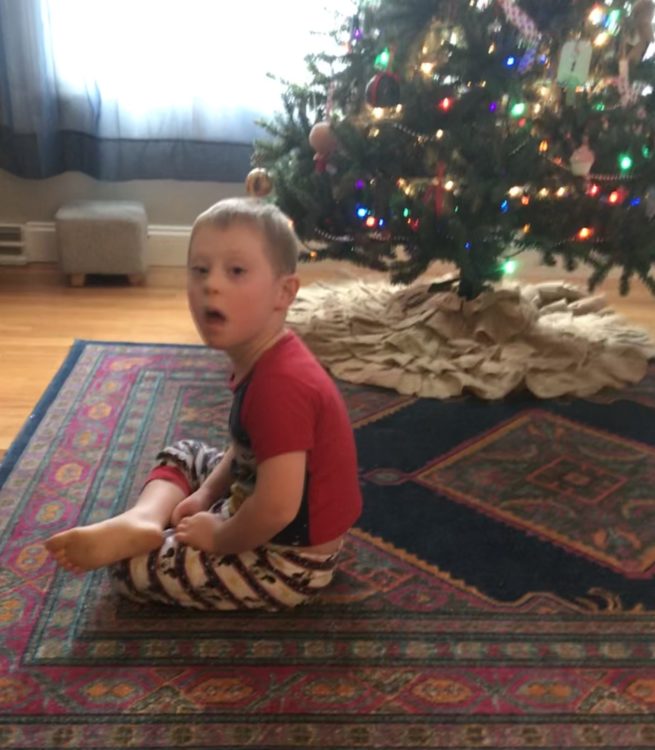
x=261, y=525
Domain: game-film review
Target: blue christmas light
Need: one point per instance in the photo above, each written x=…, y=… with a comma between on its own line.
x=510, y=61
x=504, y=206
x=467, y=245
x=612, y=21
x=362, y=212
x=635, y=201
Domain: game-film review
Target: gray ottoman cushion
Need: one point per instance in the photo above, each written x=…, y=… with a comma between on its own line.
x=103, y=237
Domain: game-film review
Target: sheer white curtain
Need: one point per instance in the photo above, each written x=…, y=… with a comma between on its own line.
x=194, y=69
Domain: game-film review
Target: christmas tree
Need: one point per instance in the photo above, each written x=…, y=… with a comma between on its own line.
x=468, y=131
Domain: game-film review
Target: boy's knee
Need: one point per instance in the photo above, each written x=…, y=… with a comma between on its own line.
x=187, y=449
x=194, y=458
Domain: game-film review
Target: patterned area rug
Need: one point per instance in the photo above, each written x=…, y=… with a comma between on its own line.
x=497, y=593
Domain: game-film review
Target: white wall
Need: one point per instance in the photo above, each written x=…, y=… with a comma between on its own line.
x=171, y=208
x=167, y=202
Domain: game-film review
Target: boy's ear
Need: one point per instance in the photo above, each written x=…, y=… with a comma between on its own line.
x=288, y=290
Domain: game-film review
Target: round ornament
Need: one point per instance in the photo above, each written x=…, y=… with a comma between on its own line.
x=258, y=183
x=383, y=90
x=325, y=143
x=322, y=139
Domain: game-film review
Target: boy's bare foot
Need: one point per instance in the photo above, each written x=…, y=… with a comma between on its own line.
x=88, y=547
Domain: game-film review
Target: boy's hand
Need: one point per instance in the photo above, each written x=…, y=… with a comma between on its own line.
x=196, y=502
x=199, y=530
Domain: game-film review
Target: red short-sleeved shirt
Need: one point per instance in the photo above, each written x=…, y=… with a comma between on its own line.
x=288, y=403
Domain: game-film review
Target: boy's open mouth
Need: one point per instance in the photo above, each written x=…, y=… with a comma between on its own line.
x=215, y=316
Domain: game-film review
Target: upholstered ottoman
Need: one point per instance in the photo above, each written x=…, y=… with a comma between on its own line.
x=102, y=237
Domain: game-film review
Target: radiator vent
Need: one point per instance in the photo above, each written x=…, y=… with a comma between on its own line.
x=12, y=245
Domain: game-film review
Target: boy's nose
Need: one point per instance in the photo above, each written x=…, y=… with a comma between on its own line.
x=213, y=281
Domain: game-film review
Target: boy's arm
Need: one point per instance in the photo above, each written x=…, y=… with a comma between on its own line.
x=220, y=478
x=272, y=506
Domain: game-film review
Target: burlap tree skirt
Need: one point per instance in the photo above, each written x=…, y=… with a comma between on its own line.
x=549, y=338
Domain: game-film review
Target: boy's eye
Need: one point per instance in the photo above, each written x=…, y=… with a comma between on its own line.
x=237, y=270
x=198, y=270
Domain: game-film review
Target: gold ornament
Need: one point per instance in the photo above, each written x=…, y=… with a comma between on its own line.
x=433, y=51
x=258, y=183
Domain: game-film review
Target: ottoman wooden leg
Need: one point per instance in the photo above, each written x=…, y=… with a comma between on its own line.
x=137, y=279
x=76, y=279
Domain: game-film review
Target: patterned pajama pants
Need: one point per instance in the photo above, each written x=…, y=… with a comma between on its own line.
x=270, y=577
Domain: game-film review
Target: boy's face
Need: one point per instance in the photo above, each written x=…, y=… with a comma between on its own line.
x=235, y=297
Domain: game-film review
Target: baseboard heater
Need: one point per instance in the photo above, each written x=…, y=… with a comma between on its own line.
x=12, y=245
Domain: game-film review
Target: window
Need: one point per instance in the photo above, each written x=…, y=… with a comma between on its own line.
x=168, y=68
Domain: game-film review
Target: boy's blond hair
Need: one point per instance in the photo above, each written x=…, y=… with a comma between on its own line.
x=281, y=241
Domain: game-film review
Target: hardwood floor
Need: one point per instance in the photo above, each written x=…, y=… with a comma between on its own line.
x=40, y=317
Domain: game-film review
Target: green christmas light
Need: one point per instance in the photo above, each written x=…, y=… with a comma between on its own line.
x=625, y=162
x=510, y=266
x=383, y=59
x=645, y=152
x=600, y=107
x=518, y=109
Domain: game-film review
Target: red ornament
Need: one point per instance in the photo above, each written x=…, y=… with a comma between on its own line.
x=383, y=90
x=437, y=191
